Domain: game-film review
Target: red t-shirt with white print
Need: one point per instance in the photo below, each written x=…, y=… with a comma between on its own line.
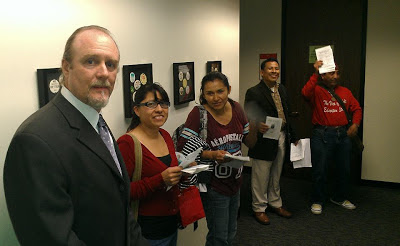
x=326, y=110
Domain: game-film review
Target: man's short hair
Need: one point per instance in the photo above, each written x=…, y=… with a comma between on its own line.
x=271, y=59
x=68, y=45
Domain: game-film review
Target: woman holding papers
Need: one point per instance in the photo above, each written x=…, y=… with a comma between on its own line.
x=227, y=127
x=158, y=208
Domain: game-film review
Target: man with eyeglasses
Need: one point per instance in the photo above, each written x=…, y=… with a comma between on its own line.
x=330, y=135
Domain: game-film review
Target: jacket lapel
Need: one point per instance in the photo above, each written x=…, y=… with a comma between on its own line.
x=86, y=134
x=266, y=93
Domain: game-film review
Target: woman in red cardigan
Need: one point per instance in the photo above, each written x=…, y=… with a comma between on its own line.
x=158, y=208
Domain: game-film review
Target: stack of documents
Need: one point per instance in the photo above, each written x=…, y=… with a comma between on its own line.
x=300, y=155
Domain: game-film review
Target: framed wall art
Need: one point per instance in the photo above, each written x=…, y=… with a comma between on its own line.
x=134, y=76
x=183, y=75
x=214, y=66
x=48, y=84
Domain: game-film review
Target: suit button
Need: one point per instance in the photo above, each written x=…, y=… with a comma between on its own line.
x=121, y=187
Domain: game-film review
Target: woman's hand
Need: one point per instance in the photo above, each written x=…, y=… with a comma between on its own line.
x=216, y=155
x=219, y=156
x=193, y=164
x=172, y=175
x=186, y=175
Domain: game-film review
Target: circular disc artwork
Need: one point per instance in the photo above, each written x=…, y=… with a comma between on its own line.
x=187, y=90
x=187, y=75
x=181, y=91
x=132, y=77
x=180, y=76
x=137, y=85
x=143, y=78
x=54, y=86
x=184, y=83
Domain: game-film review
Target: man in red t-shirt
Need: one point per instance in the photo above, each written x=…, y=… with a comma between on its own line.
x=330, y=135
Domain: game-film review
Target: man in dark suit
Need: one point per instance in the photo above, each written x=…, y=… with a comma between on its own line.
x=268, y=98
x=64, y=184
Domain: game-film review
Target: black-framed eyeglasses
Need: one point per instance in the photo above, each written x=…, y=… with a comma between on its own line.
x=153, y=104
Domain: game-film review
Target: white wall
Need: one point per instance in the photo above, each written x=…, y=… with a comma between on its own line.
x=147, y=31
x=382, y=87
x=260, y=33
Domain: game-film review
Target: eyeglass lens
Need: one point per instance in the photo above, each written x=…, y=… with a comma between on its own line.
x=154, y=104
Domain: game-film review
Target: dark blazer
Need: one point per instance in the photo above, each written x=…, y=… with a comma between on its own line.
x=258, y=105
x=62, y=185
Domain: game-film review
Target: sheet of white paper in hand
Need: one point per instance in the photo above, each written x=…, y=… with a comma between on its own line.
x=275, y=125
x=325, y=54
x=196, y=169
x=238, y=157
x=185, y=161
x=296, y=151
x=300, y=155
x=236, y=161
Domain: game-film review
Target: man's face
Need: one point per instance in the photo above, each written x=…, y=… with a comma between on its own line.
x=330, y=79
x=92, y=72
x=270, y=73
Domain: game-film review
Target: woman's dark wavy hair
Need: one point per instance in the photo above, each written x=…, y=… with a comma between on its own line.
x=210, y=77
x=140, y=96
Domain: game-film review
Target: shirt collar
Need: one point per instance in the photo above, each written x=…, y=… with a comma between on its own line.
x=273, y=88
x=87, y=111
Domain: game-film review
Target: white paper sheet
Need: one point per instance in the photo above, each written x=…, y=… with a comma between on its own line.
x=236, y=161
x=185, y=161
x=275, y=125
x=196, y=169
x=238, y=157
x=300, y=155
x=325, y=54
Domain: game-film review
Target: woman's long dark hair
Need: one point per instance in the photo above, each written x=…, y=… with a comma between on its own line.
x=210, y=77
x=140, y=96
